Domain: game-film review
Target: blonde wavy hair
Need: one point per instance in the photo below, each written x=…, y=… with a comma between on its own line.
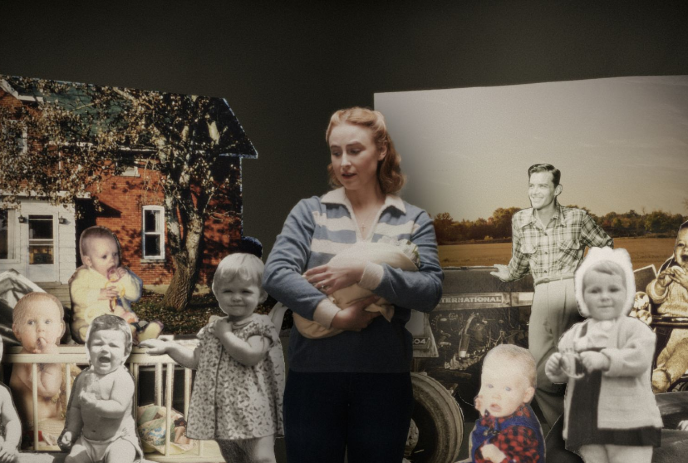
x=389, y=174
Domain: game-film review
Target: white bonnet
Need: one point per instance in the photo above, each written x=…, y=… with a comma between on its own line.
x=597, y=255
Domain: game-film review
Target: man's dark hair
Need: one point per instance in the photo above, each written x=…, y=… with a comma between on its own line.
x=556, y=174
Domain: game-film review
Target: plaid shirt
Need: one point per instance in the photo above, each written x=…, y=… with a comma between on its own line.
x=555, y=250
x=519, y=443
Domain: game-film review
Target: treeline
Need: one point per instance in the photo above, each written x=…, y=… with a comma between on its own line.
x=498, y=226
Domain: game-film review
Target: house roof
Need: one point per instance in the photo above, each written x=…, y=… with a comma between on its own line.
x=226, y=130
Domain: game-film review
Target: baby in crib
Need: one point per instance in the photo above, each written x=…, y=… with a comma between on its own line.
x=401, y=254
x=100, y=420
x=38, y=325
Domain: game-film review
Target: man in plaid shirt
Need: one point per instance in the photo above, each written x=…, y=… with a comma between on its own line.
x=549, y=241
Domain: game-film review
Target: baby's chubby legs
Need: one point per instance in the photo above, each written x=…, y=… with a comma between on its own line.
x=258, y=450
x=616, y=454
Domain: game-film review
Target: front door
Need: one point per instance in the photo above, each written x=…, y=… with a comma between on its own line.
x=42, y=251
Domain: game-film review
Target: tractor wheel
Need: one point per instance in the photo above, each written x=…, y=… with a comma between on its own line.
x=439, y=420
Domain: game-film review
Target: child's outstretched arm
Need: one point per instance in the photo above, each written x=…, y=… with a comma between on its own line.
x=10, y=448
x=185, y=357
x=249, y=352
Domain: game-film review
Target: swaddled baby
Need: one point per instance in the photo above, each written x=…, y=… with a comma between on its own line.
x=397, y=254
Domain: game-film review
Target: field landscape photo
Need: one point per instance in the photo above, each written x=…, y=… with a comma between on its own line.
x=643, y=251
x=621, y=145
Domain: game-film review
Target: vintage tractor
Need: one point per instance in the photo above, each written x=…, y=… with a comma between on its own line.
x=477, y=312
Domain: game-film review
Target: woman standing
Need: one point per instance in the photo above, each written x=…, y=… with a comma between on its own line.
x=352, y=392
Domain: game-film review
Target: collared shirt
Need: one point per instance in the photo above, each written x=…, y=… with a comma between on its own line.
x=373, y=273
x=556, y=249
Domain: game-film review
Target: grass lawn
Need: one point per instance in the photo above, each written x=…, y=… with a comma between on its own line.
x=643, y=251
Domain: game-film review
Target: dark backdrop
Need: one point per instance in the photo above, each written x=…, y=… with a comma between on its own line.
x=284, y=69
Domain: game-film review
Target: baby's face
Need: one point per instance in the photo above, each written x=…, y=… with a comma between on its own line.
x=604, y=294
x=103, y=255
x=681, y=249
x=107, y=350
x=40, y=327
x=504, y=387
x=237, y=298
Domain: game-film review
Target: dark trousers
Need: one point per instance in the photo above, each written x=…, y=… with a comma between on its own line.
x=365, y=415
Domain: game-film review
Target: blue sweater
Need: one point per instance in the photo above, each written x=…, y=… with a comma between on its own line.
x=316, y=230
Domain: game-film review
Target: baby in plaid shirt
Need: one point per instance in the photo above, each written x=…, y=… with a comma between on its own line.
x=508, y=430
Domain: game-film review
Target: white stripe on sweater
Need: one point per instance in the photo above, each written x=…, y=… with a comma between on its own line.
x=395, y=230
x=334, y=224
x=328, y=247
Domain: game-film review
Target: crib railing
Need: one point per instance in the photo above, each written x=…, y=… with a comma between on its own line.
x=164, y=367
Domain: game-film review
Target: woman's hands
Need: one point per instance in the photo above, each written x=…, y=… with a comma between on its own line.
x=354, y=317
x=333, y=276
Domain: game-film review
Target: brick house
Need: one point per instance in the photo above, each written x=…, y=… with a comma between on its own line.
x=40, y=240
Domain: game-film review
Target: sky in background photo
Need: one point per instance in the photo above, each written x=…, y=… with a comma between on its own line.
x=620, y=143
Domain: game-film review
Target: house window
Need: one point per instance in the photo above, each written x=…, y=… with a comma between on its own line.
x=130, y=171
x=7, y=234
x=41, y=240
x=153, y=232
x=15, y=137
